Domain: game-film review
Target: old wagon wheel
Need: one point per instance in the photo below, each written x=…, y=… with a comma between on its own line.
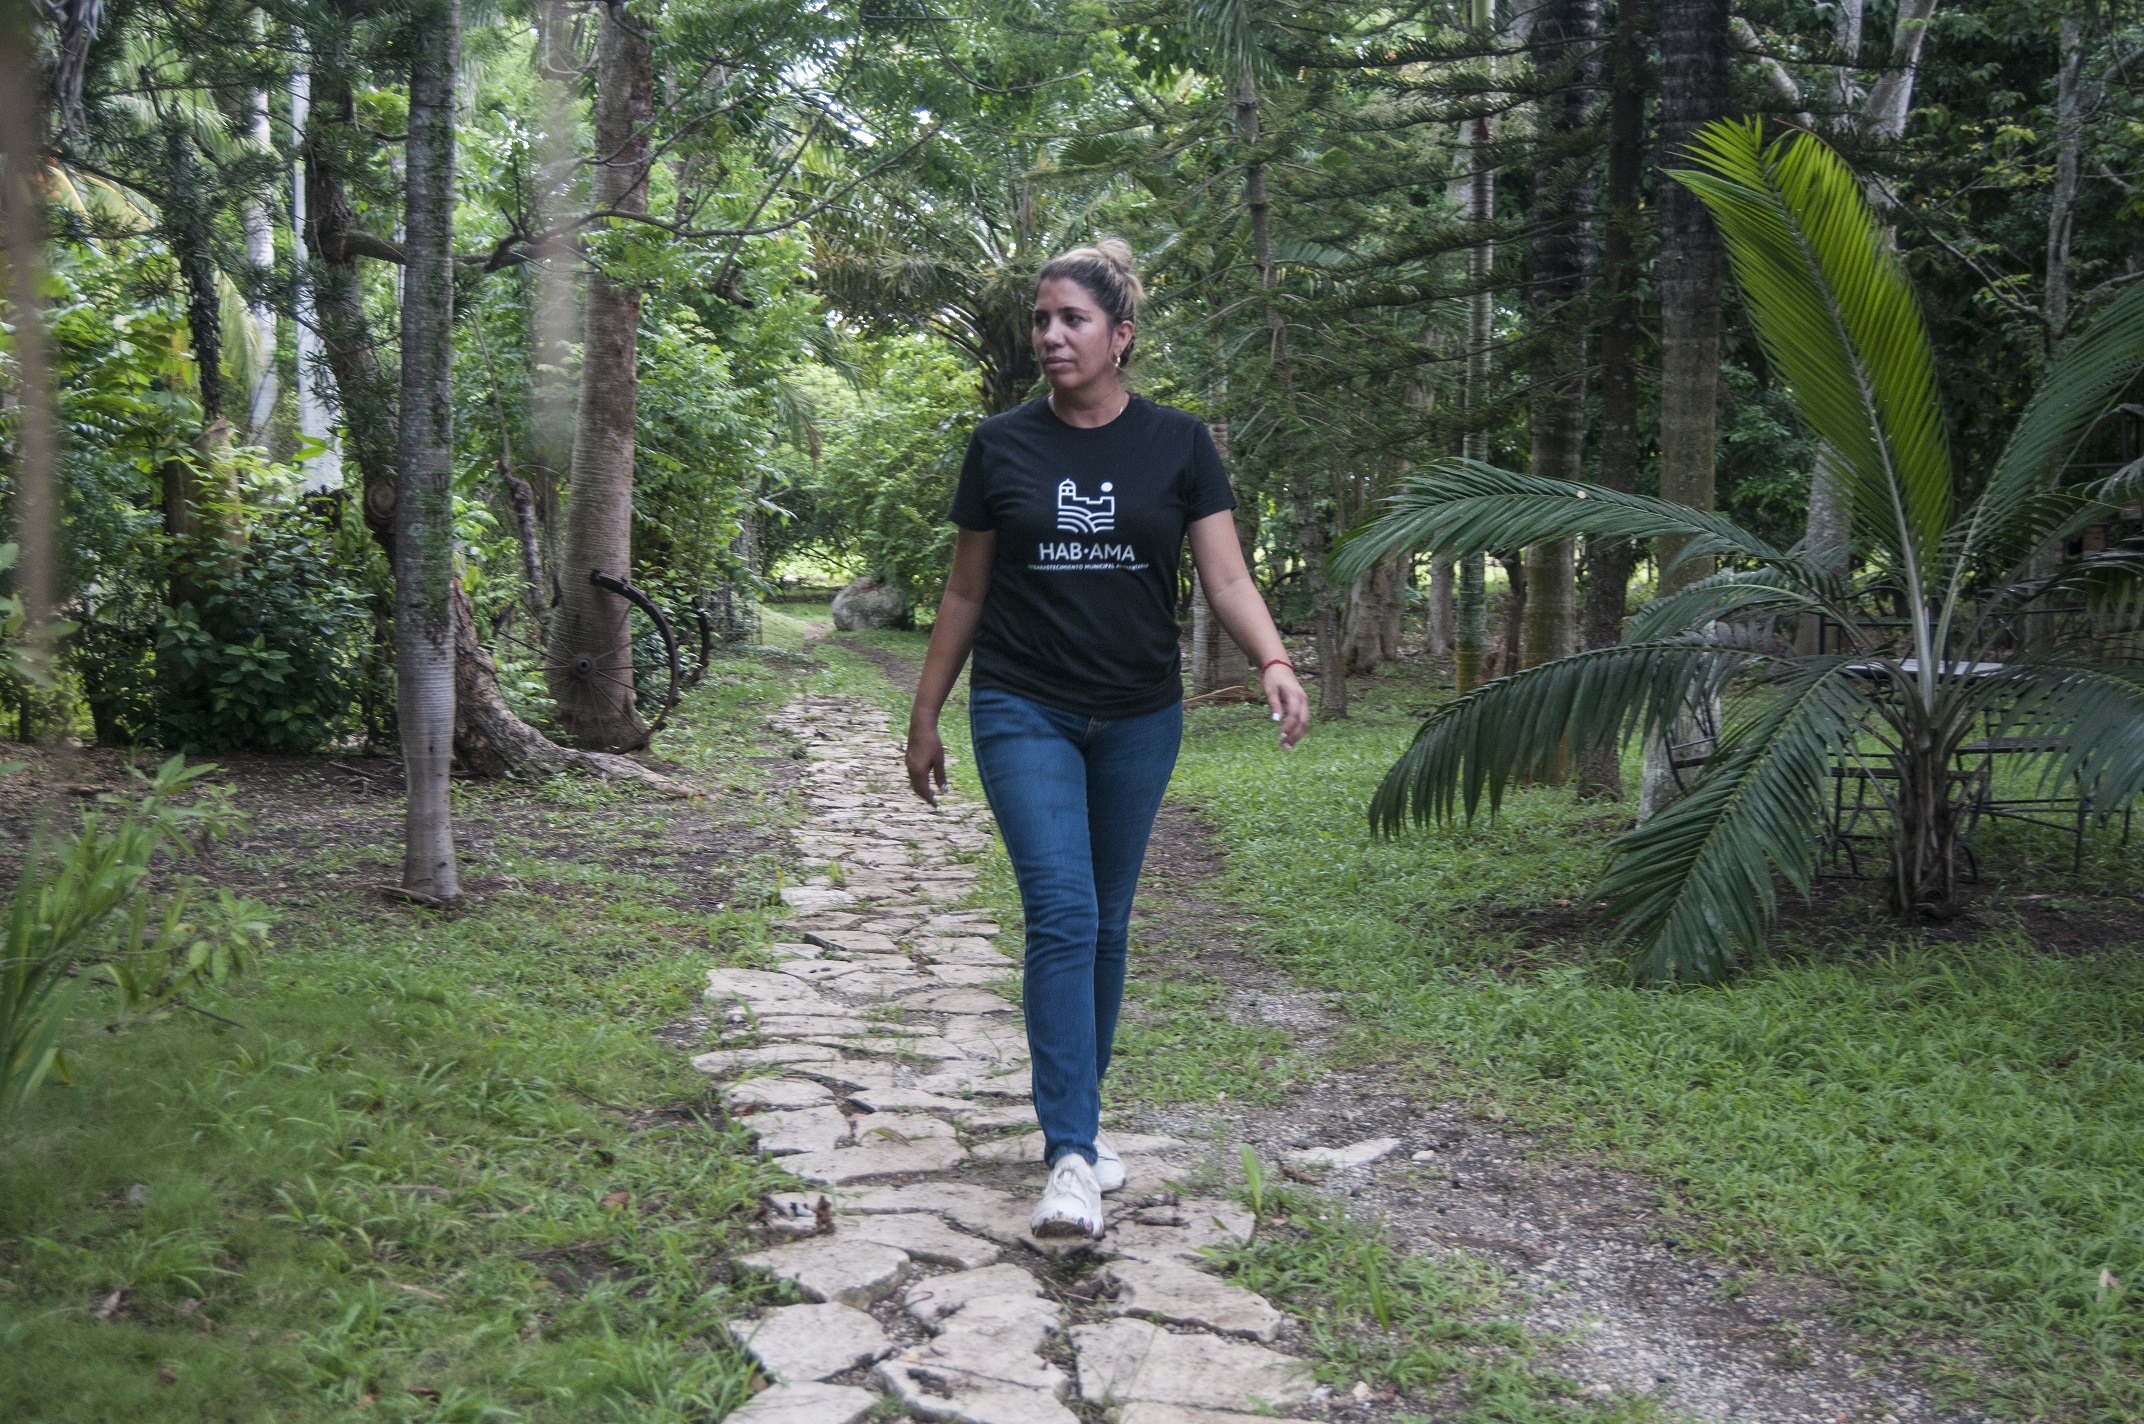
x=657, y=673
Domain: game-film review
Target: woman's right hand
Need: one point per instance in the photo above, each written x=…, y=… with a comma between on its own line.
x=926, y=760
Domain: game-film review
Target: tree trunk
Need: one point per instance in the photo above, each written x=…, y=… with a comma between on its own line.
x=1374, y=604
x=1924, y=850
x=37, y=525
x=260, y=315
x=1309, y=533
x=2062, y=201
x=369, y=419
x=490, y=740
x=323, y=470
x=1846, y=34
x=1565, y=38
x=1609, y=562
x=590, y=651
x=424, y=494
x=1441, y=614
x=1470, y=635
x=554, y=310
x=1693, y=92
x=1216, y=661
x=1892, y=98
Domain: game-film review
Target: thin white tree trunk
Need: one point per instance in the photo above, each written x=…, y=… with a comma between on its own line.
x=424, y=496
x=314, y=384
x=590, y=650
x=2062, y=201
x=260, y=314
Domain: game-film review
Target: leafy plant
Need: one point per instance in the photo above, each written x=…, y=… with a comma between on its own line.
x=87, y=908
x=1958, y=624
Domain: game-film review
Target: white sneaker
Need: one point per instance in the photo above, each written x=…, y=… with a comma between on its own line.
x=1071, y=1201
x=1108, y=1166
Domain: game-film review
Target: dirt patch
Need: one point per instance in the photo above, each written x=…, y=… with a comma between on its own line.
x=1587, y=1244
x=1847, y=919
x=321, y=825
x=899, y=670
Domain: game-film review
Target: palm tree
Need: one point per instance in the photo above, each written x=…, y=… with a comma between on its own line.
x=1952, y=578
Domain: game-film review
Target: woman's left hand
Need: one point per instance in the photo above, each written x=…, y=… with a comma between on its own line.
x=1290, y=704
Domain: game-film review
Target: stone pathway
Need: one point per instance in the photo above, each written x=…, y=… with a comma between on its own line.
x=884, y=1065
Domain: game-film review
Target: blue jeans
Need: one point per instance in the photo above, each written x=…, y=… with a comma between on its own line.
x=1075, y=798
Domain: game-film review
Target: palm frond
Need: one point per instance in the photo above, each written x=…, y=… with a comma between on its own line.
x=1692, y=887
x=1510, y=728
x=2088, y=375
x=1728, y=596
x=1459, y=507
x=2087, y=714
x=1840, y=322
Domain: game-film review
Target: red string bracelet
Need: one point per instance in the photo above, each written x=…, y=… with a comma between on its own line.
x=1270, y=661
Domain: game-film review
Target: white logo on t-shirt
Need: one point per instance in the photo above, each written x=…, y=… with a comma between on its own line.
x=1085, y=516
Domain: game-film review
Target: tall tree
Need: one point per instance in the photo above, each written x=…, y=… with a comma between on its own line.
x=22, y=210
x=590, y=650
x=1470, y=595
x=1309, y=533
x=424, y=458
x=1566, y=35
x=1694, y=43
x=1610, y=560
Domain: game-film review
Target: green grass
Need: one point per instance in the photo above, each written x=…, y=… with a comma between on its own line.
x=1951, y=1129
x=1438, y=1330
x=444, y=1170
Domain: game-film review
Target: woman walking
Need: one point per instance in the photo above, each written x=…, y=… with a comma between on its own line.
x=1072, y=512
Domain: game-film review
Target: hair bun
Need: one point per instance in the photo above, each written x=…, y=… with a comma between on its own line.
x=1117, y=252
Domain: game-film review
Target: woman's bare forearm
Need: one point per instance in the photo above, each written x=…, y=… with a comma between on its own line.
x=1230, y=592
x=960, y=612
x=952, y=636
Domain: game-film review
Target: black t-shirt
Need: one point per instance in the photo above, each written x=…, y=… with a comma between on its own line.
x=1081, y=612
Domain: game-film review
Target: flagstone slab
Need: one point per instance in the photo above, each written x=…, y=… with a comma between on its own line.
x=992, y=1119
x=1177, y=1293
x=900, y=1127
x=806, y=1404
x=961, y=949
x=798, y=1343
x=982, y=1080
x=923, y=1236
x=760, y=988
x=793, y=949
x=897, y=1045
x=938, y=999
x=1179, y=1232
x=1025, y=1148
x=973, y=975
x=728, y=1061
x=851, y=1164
x=779, y=1094
x=812, y=897
x=931, y=1299
x=784, y=1134
x=910, y=1196
x=930, y=1391
x=1146, y=1411
x=877, y=1100
x=1354, y=1154
x=816, y=971
x=1127, y=1361
x=831, y=1268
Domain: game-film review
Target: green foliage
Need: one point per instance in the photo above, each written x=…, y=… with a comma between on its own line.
x=392, y=1180
x=1980, y=647
x=1943, y=1125
x=269, y=655
x=889, y=459
x=61, y=924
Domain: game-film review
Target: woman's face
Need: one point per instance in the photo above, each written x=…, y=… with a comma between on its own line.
x=1074, y=340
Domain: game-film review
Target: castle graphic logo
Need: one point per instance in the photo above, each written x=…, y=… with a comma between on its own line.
x=1085, y=516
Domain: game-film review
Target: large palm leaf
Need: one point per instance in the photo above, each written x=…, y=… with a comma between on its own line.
x=1841, y=324
x=1695, y=885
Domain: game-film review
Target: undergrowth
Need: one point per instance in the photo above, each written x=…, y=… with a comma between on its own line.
x=437, y=1166
x=1947, y=1127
